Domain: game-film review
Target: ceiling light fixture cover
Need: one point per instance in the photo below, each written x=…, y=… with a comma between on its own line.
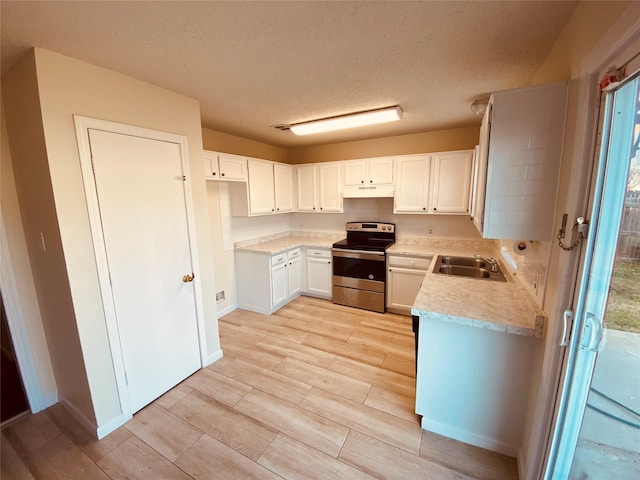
x=351, y=120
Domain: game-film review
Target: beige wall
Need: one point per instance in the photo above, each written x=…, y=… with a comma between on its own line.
x=589, y=22
x=22, y=276
x=66, y=87
x=38, y=211
x=226, y=143
x=437, y=141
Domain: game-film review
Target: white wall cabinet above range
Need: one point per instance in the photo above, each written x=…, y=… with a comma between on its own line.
x=268, y=281
x=224, y=166
x=368, y=177
x=269, y=189
x=319, y=188
x=438, y=183
x=519, y=162
x=373, y=171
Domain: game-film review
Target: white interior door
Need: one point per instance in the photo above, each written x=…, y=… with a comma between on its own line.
x=140, y=190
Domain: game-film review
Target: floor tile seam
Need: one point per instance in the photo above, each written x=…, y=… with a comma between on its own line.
x=338, y=357
x=226, y=445
x=351, y=427
x=387, y=444
x=275, y=372
x=300, y=344
x=277, y=430
x=168, y=411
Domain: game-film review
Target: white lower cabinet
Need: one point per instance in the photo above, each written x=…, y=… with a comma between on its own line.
x=267, y=282
x=318, y=272
x=404, y=278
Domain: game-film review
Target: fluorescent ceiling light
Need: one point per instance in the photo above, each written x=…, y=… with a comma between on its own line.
x=358, y=119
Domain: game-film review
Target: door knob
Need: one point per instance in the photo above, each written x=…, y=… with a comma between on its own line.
x=188, y=278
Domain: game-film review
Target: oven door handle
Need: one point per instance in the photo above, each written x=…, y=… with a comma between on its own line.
x=359, y=254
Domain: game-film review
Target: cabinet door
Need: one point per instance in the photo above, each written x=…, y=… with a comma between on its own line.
x=329, y=187
x=306, y=188
x=232, y=167
x=261, y=187
x=412, y=186
x=403, y=285
x=295, y=279
x=283, y=185
x=319, y=276
x=354, y=172
x=279, y=284
x=210, y=160
x=451, y=182
x=379, y=171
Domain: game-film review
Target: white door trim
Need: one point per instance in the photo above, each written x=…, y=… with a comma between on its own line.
x=82, y=125
x=18, y=329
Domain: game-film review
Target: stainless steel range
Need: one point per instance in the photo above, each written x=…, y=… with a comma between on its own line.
x=359, y=265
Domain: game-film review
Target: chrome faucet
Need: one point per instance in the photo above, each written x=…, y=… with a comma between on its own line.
x=492, y=262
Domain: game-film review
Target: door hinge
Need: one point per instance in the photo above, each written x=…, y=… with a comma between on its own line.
x=182, y=178
x=126, y=378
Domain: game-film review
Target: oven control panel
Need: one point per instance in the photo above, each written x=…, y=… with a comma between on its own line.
x=370, y=227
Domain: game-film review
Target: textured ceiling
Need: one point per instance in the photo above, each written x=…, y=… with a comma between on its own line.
x=253, y=65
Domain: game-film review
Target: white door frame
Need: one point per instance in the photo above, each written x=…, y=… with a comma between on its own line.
x=18, y=329
x=82, y=125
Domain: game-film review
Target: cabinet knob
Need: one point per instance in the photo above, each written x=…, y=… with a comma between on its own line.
x=321, y=208
x=424, y=208
x=214, y=173
x=435, y=209
x=370, y=181
x=314, y=208
x=329, y=262
x=361, y=181
x=278, y=209
x=222, y=174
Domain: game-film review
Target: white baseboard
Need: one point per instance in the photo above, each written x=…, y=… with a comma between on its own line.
x=112, y=425
x=229, y=309
x=253, y=308
x=98, y=432
x=471, y=438
x=214, y=357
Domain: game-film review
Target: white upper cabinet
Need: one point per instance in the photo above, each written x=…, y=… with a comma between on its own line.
x=224, y=166
x=451, y=182
x=319, y=188
x=439, y=183
x=329, y=187
x=522, y=145
x=261, y=187
x=269, y=189
x=370, y=171
x=306, y=188
x=283, y=187
x=412, y=184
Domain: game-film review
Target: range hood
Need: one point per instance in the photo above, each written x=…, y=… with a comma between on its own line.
x=367, y=191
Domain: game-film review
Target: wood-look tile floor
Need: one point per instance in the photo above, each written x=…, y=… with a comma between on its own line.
x=315, y=391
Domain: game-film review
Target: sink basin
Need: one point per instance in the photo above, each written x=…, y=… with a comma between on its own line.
x=470, y=267
x=464, y=271
x=464, y=261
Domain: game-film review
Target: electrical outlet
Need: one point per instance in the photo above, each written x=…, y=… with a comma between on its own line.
x=430, y=230
x=220, y=296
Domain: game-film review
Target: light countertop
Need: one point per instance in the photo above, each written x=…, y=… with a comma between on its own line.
x=501, y=306
x=278, y=243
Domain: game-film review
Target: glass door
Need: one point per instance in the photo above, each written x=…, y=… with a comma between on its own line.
x=598, y=430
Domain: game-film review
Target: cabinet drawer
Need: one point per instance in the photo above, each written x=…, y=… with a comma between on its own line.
x=295, y=253
x=318, y=252
x=421, y=263
x=279, y=258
